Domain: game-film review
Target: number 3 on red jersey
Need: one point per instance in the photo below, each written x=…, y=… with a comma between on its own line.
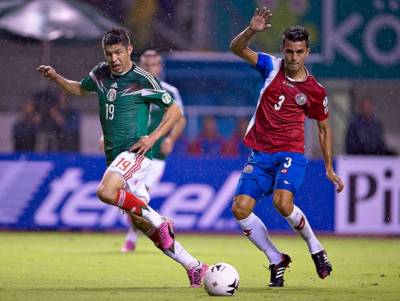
x=279, y=104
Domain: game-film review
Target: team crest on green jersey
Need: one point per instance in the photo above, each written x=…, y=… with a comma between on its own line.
x=111, y=94
x=166, y=98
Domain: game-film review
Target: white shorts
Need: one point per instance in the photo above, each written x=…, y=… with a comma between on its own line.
x=155, y=174
x=133, y=169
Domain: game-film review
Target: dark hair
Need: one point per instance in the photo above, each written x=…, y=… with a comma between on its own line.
x=296, y=34
x=150, y=53
x=116, y=35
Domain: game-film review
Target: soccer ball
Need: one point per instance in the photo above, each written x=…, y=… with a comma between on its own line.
x=221, y=279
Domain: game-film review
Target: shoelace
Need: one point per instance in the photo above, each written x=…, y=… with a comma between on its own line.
x=168, y=224
x=271, y=267
x=321, y=260
x=196, y=273
x=162, y=233
x=197, y=276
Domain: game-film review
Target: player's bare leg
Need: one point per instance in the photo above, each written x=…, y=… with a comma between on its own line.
x=256, y=231
x=194, y=268
x=111, y=191
x=140, y=223
x=283, y=202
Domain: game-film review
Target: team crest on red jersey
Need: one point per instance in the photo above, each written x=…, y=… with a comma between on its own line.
x=325, y=104
x=301, y=99
x=248, y=169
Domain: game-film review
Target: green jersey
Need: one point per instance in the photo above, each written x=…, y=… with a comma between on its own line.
x=157, y=114
x=124, y=102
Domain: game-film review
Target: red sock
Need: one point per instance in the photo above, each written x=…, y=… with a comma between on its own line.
x=129, y=202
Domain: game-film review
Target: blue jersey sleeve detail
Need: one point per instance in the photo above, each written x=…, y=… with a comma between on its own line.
x=264, y=64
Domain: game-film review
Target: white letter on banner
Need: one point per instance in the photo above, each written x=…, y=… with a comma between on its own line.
x=188, y=198
x=111, y=215
x=46, y=214
x=222, y=199
x=334, y=38
x=163, y=189
x=83, y=208
x=385, y=58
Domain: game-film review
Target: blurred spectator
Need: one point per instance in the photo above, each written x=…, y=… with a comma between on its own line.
x=234, y=145
x=209, y=141
x=365, y=132
x=26, y=129
x=44, y=100
x=64, y=124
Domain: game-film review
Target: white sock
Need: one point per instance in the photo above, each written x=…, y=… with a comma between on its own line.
x=153, y=216
x=256, y=231
x=132, y=234
x=182, y=256
x=299, y=223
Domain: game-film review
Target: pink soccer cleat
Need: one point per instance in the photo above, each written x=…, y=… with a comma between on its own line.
x=196, y=274
x=165, y=235
x=129, y=246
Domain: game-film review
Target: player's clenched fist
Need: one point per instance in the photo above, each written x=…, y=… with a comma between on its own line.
x=47, y=71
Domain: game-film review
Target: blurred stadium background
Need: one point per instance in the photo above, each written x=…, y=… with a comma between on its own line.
x=355, y=54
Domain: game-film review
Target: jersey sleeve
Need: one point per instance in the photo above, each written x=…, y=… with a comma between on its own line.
x=150, y=82
x=160, y=98
x=153, y=93
x=318, y=109
x=266, y=63
x=175, y=95
x=89, y=83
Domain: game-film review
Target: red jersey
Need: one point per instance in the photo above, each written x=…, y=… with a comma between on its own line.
x=278, y=122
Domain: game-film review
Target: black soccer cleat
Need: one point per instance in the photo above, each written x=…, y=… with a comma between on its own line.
x=277, y=271
x=322, y=264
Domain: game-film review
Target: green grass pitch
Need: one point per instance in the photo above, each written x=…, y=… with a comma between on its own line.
x=89, y=266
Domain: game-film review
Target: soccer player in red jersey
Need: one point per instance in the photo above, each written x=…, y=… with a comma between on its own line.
x=275, y=134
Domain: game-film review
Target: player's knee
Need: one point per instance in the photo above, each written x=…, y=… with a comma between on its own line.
x=278, y=201
x=106, y=194
x=241, y=208
x=283, y=202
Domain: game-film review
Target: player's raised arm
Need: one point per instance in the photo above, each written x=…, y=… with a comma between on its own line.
x=325, y=141
x=67, y=85
x=171, y=116
x=239, y=45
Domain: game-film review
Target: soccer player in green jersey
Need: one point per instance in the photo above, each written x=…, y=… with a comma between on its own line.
x=151, y=61
x=125, y=93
